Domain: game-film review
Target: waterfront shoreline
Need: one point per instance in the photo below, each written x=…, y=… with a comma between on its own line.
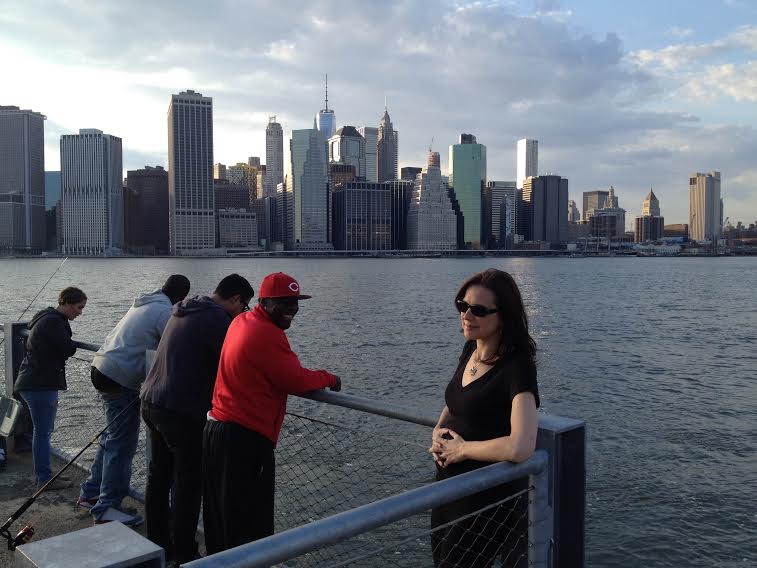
x=402, y=255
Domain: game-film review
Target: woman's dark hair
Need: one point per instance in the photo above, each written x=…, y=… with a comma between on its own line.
x=71, y=295
x=234, y=284
x=512, y=316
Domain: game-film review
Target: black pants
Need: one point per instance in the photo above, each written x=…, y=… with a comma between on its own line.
x=239, y=478
x=175, y=464
x=477, y=541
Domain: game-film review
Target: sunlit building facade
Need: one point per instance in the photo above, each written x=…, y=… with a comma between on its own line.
x=705, y=215
x=190, y=173
x=92, y=188
x=22, y=180
x=308, y=190
x=467, y=175
x=431, y=220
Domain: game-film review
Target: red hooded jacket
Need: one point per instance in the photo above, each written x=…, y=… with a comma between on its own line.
x=256, y=372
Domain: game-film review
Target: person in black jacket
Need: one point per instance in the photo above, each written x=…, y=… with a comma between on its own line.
x=176, y=397
x=43, y=373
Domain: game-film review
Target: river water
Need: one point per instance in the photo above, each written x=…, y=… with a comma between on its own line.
x=657, y=355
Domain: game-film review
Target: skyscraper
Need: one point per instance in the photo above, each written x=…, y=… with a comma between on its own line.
x=146, y=211
x=92, y=187
x=387, y=151
x=593, y=200
x=467, y=174
x=362, y=216
x=705, y=205
x=500, y=205
x=274, y=157
x=308, y=189
x=574, y=215
x=347, y=146
x=52, y=189
x=609, y=220
x=408, y=173
x=527, y=160
x=52, y=205
x=244, y=175
x=325, y=120
x=431, y=221
x=650, y=225
x=22, y=180
x=191, y=210
x=546, y=201
x=651, y=205
x=648, y=228
x=370, y=134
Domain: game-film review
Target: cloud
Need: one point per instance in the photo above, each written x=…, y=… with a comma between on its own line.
x=707, y=72
x=678, y=56
x=599, y=112
x=679, y=33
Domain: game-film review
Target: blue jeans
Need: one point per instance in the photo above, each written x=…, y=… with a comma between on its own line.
x=110, y=475
x=43, y=406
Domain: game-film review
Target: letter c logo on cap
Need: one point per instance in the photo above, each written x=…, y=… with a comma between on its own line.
x=294, y=287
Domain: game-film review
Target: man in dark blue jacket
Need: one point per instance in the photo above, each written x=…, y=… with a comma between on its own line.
x=176, y=397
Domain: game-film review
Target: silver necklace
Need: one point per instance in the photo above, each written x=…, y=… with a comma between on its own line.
x=476, y=364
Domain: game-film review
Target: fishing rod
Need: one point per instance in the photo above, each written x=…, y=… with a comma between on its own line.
x=27, y=532
x=35, y=297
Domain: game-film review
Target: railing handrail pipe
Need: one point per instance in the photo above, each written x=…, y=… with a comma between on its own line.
x=319, y=534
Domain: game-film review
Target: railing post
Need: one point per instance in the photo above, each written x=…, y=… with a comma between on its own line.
x=14, y=354
x=564, y=440
x=539, y=521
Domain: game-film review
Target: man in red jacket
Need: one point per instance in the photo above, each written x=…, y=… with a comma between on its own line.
x=256, y=372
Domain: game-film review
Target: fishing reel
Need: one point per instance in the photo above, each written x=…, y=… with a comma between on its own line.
x=23, y=536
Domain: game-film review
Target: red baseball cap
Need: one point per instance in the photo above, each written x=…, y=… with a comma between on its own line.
x=280, y=285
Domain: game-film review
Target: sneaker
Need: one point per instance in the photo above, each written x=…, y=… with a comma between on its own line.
x=86, y=503
x=60, y=483
x=113, y=514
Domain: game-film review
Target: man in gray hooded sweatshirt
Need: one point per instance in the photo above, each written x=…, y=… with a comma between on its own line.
x=118, y=371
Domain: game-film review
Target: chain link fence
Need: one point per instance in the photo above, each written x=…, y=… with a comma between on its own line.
x=494, y=536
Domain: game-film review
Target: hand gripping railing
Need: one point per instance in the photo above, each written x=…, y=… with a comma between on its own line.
x=301, y=540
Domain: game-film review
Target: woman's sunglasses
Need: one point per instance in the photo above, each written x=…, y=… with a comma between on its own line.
x=478, y=311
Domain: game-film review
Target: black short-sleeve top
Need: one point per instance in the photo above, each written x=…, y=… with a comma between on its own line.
x=481, y=410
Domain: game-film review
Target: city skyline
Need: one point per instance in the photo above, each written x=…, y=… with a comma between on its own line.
x=617, y=100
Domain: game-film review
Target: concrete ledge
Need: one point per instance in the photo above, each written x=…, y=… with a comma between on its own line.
x=111, y=545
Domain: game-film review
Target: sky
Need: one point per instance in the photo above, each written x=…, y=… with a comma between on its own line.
x=634, y=94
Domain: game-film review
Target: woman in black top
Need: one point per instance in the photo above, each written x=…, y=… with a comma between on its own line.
x=43, y=373
x=490, y=416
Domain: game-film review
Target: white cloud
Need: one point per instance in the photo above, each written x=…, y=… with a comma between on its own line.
x=681, y=56
x=282, y=50
x=706, y=72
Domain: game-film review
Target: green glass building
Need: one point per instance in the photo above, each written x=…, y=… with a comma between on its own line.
x=467, y=174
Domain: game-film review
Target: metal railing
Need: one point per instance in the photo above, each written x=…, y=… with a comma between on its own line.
x=338, y=528
x=328, y=481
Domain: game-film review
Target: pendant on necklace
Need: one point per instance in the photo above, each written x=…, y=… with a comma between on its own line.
x=473, y=371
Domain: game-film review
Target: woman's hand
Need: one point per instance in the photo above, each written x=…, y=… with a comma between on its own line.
x=447, y=447
x=435, y=449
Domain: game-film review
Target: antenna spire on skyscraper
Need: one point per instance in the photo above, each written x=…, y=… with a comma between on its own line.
x=327, y=91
